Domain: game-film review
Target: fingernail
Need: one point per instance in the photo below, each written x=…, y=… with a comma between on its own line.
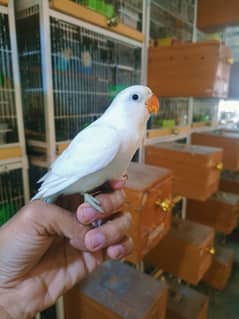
x=119, y=252
x=88, y=214
x=120, y=183
x=98, y=240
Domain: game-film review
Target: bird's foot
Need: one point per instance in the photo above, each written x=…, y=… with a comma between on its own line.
x=97, y=223
x=126, y=176
x=49, y=200
x=92, y=201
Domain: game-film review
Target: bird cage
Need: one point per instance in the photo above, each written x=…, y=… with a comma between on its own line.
x=70, y=71
x=173, y=112
x=128, y=12
x=205, y=113
x=169, y=22
x=14, y=189
x=11, y=124
x=12, y=192
x=172, y=119
x=231, y=37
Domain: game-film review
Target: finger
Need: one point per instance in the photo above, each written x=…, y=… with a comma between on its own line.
x=53, y=220
x=118, y=183
x=92, y=260
x=121, y=250
x=110, y=203
x=109, y=233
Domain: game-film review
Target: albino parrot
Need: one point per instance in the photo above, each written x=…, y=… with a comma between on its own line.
x=102, y=151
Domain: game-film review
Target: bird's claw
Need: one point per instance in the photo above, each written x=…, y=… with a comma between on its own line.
x=92, y=201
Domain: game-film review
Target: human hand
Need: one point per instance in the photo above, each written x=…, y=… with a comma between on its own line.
x=45, y=250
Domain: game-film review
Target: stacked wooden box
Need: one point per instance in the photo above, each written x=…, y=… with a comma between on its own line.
x=221, y=211
x=116, y=290
x=196, y=169
x=192, y=69
x=186, y=251
x=186, y=303
x=149, y=200
x=228, y=141
x=214, y=15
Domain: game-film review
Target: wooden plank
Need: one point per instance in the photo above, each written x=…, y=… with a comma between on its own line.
x=183, y=129
x=10, y=152
x=61, y=147
x=4, y=2
x=158, y=132
x=85, y=14
x=177, y=130
x=201, y=124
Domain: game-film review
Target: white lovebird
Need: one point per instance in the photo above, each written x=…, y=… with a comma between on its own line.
x=102, y=151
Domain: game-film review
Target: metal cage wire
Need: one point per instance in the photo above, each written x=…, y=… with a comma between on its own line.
x=128, y=12
x=205, y=110
x=173, y=112
x=166, y=19
x=11, y=194
x=8, y=115
x=88, y=69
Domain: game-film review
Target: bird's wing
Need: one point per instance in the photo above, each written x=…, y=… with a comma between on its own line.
x=91, y=150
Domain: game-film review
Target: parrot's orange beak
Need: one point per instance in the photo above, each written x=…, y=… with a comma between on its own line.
x=152, y=104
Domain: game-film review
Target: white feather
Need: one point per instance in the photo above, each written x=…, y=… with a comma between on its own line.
x=100, y=152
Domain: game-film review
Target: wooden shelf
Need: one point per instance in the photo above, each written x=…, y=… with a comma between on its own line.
x=60, y=147
x=76, y=10
x=201, y=124
x=177, y=130
x=4, y=2
x=10, y=152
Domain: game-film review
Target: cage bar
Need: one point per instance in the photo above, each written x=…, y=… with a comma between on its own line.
x=88, y=68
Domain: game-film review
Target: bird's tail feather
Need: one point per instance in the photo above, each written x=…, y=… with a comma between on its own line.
x=43, y=178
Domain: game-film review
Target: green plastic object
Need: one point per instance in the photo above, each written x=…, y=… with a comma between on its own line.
x=109, y=10
x=7, y=210
x=100, y=6
x=91, y=4
x=168, y=123
x=204, y=118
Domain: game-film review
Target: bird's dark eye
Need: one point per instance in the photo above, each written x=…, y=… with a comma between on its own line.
x=135, y=97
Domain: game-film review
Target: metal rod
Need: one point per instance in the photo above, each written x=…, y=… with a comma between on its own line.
x=60, y=308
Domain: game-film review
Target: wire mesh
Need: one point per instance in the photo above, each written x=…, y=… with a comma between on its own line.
x=231, y=37
x=8, y=117
x=204, y=110
x=88, y=69
x=128, y=12
x=171, y=20
x=11, y=194
x=173, y=112
x=28, y=28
